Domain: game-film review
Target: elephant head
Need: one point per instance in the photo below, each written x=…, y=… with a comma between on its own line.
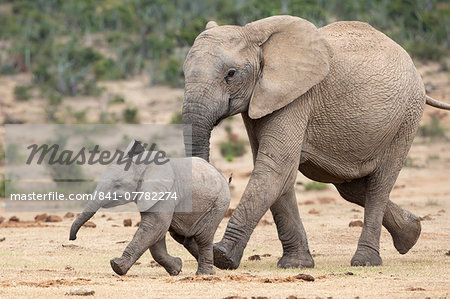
x=258, y=68
x=120, y=182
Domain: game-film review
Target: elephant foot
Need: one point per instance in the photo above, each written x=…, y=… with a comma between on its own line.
x=174, y=267
x=227, y=258
x=366, y=256
x=206, y=271
x=295, y=260
x=119, y=265
x=405, y=232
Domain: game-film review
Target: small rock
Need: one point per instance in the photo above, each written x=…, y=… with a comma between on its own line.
x=127, y=222
x=426, y=217
x=292, y=297
x=255, y=257
x=53, y=218
x=14, y=219
x=229, y=212
x=109, y=219
x=440, y=211
x=355, y=210
x=447, y=253
x=73, y=246
x=68, y=267
x=138, y=223
x=308, y=202
x=355, y=223
x=234, y=297
x=115, y=225
x=80, y=292
x=305, y=277
x=266, y=255
x=40, y=217
x=2, y=239
x=90, y=224
x=313, y=212
x=103, y=215
x=348, y=273
x=265, y=222
x=326, y=200
x=415, y=289
x=2, y=219
x=69, y=215
x=121, y=242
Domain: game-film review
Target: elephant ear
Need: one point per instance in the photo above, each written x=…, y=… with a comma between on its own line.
x=156, y=179
x=294, y=58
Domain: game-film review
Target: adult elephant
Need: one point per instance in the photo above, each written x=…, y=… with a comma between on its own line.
x=341, y=104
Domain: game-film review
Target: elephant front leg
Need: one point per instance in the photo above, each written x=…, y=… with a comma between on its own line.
x=291, y=232
x=268, y=181
x=153, y=227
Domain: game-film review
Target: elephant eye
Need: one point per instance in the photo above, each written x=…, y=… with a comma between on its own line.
x=230, y=74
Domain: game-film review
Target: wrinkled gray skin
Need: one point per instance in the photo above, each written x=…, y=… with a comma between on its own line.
x=195, y=230
x=341, y=104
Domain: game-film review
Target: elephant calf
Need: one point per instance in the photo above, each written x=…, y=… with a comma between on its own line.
x=191, y=223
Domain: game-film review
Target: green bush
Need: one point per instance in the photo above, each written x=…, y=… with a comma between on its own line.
x=55, y=99
x=177, y=118
x=22, y=92
x=317, y=186
x=433, y=130
x=130, y=115
x=117, y=99
x=2, y=186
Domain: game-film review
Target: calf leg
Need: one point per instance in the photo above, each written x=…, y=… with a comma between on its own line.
x=159, y=252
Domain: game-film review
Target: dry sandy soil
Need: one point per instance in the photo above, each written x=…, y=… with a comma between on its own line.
x=38, y=260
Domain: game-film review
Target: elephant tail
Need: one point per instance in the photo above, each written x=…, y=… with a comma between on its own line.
x=437, y=104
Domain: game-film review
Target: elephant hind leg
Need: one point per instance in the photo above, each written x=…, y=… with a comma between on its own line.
x=291, y=232
x=403, y=225
x=170, y=263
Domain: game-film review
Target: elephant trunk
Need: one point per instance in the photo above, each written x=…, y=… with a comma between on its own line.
x=89, y=211
x=196, y=136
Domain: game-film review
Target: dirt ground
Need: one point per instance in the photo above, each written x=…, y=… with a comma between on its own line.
x=38, y=260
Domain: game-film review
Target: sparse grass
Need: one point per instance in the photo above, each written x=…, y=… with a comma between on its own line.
x=130, y=115
x=431, y=202
x=22, y=92
x=317, y=186
x=433, y=157
x=410, y=162
x=117, y=99
x=233, y=147
x=177, y=118
x=433, y=130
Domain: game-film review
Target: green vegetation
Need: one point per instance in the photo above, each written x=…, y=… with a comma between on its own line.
x=130, y=115
x=117, y=99
x=2, y=186
x=317, y=186
x=22, y=93
x=432, y=202
x=70, y=45
x=233, y=147
x=433, y=130
x=177, y=118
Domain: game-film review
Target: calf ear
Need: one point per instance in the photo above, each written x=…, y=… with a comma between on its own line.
x=211, y=24
x=134, y=148
x=156, y=179
x=295, y=57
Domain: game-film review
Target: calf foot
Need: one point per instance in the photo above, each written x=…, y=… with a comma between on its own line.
x=119, y=265
x=174, y=267
x=296, y=260
x=366, y=256
x=227, y=256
